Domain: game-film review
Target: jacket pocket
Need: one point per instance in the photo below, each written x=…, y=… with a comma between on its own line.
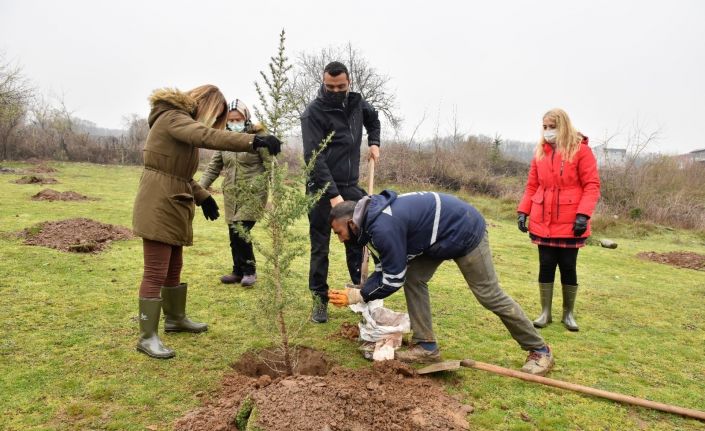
x=567, y=208
x=537, y=206
x=184, y=204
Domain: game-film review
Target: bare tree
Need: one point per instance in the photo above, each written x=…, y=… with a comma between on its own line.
x=15, y=96
x=364, y=79
x=132, y=141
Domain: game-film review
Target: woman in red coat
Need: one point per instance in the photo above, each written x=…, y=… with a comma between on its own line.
x=560, y=196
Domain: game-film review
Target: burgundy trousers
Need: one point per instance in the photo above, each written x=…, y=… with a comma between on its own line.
x=162, y=267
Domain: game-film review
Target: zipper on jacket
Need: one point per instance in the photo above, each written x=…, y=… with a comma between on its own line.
x=558, y=191
x=352, y=135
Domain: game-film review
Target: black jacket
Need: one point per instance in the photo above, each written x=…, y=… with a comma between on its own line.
x=339, y=164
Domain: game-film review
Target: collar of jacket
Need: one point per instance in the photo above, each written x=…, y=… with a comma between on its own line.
x=359, y=215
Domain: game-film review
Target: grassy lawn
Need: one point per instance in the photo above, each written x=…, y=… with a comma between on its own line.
x=67, y=357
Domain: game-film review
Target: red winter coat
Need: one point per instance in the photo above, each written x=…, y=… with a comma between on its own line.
x=557, y=190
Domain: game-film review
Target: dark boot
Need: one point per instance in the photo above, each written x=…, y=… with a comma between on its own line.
x=569, y=294
x=175, y=311
x=149, y=342
x=546, y=294
x=231, y=278
x=319, y=314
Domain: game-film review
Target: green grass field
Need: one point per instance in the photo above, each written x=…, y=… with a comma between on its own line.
x=67, y=357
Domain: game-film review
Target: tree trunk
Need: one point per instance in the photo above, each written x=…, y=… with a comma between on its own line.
x=277, y=246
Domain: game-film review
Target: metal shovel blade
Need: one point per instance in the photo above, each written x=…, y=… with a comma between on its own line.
x=440, y=366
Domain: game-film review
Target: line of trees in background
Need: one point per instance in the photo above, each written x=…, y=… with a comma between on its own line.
x=655, y=188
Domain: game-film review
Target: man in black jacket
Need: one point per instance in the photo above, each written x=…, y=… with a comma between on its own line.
x=336, y=109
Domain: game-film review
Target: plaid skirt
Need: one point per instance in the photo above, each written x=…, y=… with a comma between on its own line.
x=558, y=242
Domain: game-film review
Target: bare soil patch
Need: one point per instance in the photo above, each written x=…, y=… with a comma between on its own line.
x=53, y=195
x=348, y=331
x=34, y=179
x=387, y=396
x=80, y=235
x=306, y=361
x=42, y=169
x=680, y=259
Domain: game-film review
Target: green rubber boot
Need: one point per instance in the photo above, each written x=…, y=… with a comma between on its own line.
x=546, y=294
x=149, y=342
x=175, y=311
x=569, y=294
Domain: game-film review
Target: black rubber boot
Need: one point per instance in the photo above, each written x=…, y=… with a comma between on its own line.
x=149, y=342
x=569, y=294
x=546, y=294
x=319, y=314
x=175, y=311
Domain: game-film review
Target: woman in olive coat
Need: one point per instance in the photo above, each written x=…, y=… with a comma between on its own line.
x=180, y=123
x=242, y=208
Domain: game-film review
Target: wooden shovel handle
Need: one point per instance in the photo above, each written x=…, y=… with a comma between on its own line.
x=364, y=271
x=696, y=414
x=371, y=177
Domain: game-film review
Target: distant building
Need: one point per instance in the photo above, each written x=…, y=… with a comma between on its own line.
x=696, y=156
x=609, y=156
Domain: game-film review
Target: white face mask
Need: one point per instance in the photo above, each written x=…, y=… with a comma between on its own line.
x=550, y=135
x=234, y=126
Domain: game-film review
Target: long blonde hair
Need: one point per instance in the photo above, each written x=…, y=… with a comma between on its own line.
x=210, y=104
x=568, y=139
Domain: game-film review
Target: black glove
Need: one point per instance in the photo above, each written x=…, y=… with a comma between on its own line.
x=270, y=142
x=580, y=225
x=210, y=208
x=521, y=222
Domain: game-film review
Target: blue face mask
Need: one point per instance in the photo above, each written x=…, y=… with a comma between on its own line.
x=236, y=126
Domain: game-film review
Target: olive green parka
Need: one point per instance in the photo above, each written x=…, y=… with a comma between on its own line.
x=241, y=201
x=167, y=194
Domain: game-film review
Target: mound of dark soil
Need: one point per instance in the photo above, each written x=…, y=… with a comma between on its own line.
x=389, y=396
x=34, y=179
x=53, y=195
x=79, y=235
x=42, y=169
x=307, y=361
x=348, y=331
x=681, y=259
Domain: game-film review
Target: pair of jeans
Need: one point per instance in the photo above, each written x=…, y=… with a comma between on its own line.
x=319, y=235
x=478, y=270
x=243, y=254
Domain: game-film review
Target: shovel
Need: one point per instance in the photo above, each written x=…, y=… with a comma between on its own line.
x=469, y=363
x=364, y=270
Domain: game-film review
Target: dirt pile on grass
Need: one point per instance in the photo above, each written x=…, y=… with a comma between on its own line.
x=680, y=259
x=34, y=179
x=53, y=195
x=80, y=235
x=387, y=396
x=42, y=169
x=348, y=331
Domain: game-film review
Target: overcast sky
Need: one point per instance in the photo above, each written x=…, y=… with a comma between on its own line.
x=500, y=64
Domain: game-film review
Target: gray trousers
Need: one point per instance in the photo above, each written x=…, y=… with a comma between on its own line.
x=479, y=273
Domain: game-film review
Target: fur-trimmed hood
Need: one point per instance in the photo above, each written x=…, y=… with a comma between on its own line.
x=165, y=99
